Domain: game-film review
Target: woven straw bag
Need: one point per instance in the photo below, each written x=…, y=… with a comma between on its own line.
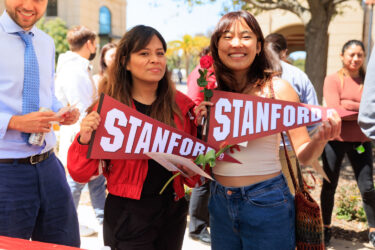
x=309, y=223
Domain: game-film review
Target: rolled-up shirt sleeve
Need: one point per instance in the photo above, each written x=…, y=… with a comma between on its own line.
x=4, y=122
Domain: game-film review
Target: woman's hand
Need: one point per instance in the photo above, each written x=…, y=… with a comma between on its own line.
x=307, y=149
x=329, y=129
x=201, y=111
x=188, y=171
x=88, y=125
x=70, y=117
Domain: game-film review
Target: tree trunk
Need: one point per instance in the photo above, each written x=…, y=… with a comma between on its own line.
x=316, y=42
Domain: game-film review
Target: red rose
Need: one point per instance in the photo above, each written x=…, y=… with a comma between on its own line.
x=206, y=62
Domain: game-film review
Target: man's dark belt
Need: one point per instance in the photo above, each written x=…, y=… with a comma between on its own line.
x=29, y=160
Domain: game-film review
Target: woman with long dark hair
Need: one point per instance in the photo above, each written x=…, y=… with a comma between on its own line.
x=107, y=57
x=251, y=206
x=135, y=215
x=343, y=89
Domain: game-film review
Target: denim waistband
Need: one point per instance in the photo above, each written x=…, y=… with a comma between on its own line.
x=253, y=189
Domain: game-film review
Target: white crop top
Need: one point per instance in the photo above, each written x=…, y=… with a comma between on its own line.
x=260, y=157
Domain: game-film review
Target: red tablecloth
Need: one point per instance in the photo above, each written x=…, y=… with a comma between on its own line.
x=8, y=243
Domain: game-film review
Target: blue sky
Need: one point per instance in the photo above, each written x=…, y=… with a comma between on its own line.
x=174, y=18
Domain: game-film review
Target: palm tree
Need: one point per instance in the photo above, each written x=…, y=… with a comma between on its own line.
x=188, y=48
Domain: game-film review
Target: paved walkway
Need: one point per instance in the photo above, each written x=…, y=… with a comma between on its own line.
x=87, y=218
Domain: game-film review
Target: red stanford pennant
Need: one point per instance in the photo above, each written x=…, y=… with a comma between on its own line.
x=237, y=118
x=124, y=133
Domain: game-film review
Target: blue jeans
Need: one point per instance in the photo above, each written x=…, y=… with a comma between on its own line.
x=36, y=203
x=97, y=194
x=259, y=216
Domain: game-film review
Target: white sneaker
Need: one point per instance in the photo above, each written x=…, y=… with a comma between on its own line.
x=85, y=231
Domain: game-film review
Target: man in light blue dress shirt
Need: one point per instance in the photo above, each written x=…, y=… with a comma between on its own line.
x=276, y=45
x=35, y=200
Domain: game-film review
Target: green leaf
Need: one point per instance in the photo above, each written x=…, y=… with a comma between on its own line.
x=208, y=93
x=210, y=158
x=200, y=160
x=202, y=82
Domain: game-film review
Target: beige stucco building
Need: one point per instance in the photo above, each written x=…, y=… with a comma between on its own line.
x=352, y=24
x=106, y=17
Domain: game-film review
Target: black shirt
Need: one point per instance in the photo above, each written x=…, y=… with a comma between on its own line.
x=157, y=175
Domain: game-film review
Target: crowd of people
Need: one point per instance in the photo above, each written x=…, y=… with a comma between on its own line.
x=246, y=206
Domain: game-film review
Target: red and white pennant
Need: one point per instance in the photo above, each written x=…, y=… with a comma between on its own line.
x=237, y=118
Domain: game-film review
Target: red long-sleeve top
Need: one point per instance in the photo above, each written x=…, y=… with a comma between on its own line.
x=345, y=94
x=125, y=178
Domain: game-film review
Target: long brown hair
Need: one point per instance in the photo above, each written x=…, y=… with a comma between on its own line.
x=258, y=73
x=119, y=81
x=102, y=65
x=274, y=44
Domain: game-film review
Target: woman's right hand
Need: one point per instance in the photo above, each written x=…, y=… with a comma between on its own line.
x=201, y=111
x=88, y=125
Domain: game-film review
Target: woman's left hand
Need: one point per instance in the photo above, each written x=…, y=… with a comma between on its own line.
x=329, y=129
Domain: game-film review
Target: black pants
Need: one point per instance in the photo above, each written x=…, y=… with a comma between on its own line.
x=198, y=209
x=332, y=157
x=156, y=223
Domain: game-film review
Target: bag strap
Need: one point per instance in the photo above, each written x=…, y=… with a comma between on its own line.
x=301, y=181
x=290, y=168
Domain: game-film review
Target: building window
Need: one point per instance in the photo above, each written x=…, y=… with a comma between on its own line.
x=52, y=8
x=105, y=21
x=105, y=25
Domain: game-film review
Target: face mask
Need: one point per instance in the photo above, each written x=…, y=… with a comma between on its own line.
x=92, y=56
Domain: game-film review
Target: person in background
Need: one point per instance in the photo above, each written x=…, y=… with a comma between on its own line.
x=179, y=75
x=250, y=204
x=35, y=200
x=136, y=216
x=366, y=110
x=107, y=56
x=343, y=90
x=277, y=46
x=366, y=115
x=198, y=203
x=74, y=86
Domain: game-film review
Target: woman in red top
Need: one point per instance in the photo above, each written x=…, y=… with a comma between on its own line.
x=343, y=90
x=135, y=215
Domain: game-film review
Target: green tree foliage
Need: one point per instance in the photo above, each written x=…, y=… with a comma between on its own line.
x=58, y=30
